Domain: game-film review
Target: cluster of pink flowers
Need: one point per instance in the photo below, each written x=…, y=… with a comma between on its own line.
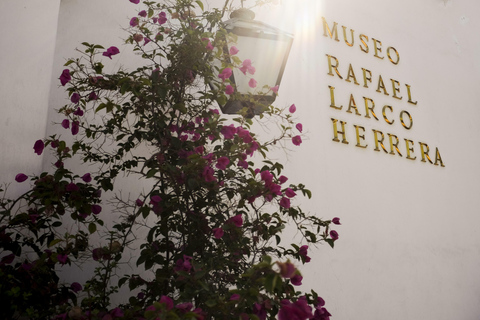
x=166, y=304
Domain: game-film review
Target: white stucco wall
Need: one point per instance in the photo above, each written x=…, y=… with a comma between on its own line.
x=409, y=246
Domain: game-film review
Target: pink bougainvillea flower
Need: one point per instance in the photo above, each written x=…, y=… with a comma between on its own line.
x=297, y=140
x=71, y=187
x=336, y=220
x=247, y=67
x=162, y=17
x=282, y=179
x=183, y=264
x=142, y=13
x=75, y=98
x=75, y=127
x=266, y=176
x=96, y=209
x=218, y=233
x=334, y=234
x=38, y=147
x=76, y=287
x=207, y=174
x=87, y=177
x=135, y=1
x=229, y=89
x=134, y=22
x=235, y=297
x=139, y=202
x=299, y=310
x=78, y=112
x=62, y=258
x=303, y=251
x=66, y=123
x=225, y=74
x=296, y=280
x=21, y=177
x=292, y=108
x=285, y=202
x=233, y=50
x=243, y=164
x=113, y=50
x=228, y=131
x=146, y=40
x=65, y=77
x=185, y=306
x=58, y=164
x=155, y=199
x=252, y=83
x=287, y=269
x=222, y=163
x=92, y=96
x=209, y=46
x=167, y=301
x=237, y=220
x=137, y=37
x=274, y=89
x=290, y=193
x=299, y=127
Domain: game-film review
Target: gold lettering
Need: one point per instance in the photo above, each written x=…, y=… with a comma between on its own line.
x=353, y=105
x=327, y=29
x=377, y=48
x=385, y=116
x=424, y=152
x=410, y=95
x=409, y=118
x=396, y=89
x=381, y=85
x=379, y=141
x=331, y=66
x=438, y=158
x=367, y=108
x=396, y=53
x=362, y=137
x=336, y=132
x=332, y=99
x=363, y=39
x=351, y=74
x=391, y=137
x=345, y=36
x=409, y=149
x=365, y=78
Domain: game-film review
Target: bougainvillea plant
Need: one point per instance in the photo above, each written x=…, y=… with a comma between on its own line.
x=203, y=236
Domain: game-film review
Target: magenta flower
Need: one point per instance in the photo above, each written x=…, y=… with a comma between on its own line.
x=92, y=96
x=135, y=1
x=167, y=301
x=290, y=193
x=218, y=233
x=247, y=67
x=222, y=163
x=78, y=112
x=292, y=108
x=21, y=177
x=142, y=13
x=225, y=74
x=58, y=164
x=62, y=258
x=233, y=50
x=65, y=77
x=207, y=174
x=303, y=251
x=334, y=234
x=86, y=177
x=297, y=140
x=299, y=127
x=75, y=127
x=75, y=98
x=137, y=37
x=235, y=297
x=242, y=164
x=183, y=264
x=134, y=22
x=209, y=46
x=38, y=147
x=155, y=199
x=266, y=176
x=299, y=310
x=228, y=131
x=229, y=89
x=139, y=202
x=66, y=123
x=287, y=269
x=252, y=83
x=237, y=220
x=96, y=209
x=296, y=280
x=336, y=220
x=282, y=179
x=285, y=202
x=72, y=187
x=113, y=50
x=76, y=287
x=274, y=89
x=162, y=17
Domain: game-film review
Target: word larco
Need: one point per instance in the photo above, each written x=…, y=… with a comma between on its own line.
x=369, y=109
x=379, y=139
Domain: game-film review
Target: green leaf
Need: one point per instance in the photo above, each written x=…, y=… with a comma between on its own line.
x=92, y=227
x=200, y=4
x=54, y=242
x=151, y=173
